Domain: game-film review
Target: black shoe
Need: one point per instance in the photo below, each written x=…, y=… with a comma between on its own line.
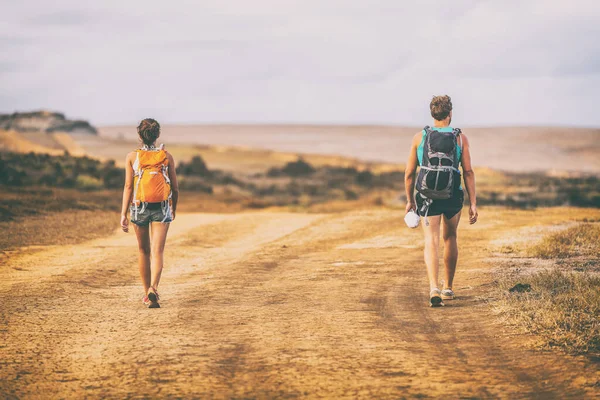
x=153, y=297
x=435, y=298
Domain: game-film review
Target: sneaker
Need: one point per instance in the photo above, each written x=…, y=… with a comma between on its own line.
x=435, y=298
x=145, y=301
x=153, y=297
x=447, y=294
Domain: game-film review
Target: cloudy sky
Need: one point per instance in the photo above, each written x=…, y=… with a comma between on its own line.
x=300, y=61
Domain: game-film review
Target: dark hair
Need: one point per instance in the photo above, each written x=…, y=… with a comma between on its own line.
x=440, y=107
x=149, y=130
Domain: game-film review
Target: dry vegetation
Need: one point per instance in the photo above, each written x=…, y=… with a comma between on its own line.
x=295, y=183
x=52, y=216
x=36, y=185
x=580, y=240
x=561, y=305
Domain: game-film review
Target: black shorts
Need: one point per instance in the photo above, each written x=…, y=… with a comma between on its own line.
x=449, y=207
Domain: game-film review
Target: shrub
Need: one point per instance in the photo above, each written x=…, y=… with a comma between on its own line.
x=196, y=167
x=364, y=178
x=294, y=168
x=88, y=182
x=11, y=176
x=58, y=171
x=195, y=184
x=113, y=178
x=49, y=180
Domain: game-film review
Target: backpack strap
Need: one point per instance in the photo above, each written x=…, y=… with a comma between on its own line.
x=424, y=210
x=458, y=135
x=136, y=163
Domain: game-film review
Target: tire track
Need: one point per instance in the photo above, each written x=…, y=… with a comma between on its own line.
x=263, y=305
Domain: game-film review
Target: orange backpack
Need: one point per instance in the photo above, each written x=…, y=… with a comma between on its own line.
x=151, y=178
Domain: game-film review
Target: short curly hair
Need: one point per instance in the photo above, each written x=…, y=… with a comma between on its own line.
x=440, y=107
x=149, y=130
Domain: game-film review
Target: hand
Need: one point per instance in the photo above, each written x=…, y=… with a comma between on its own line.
x=410, y=206
x=473, y=214
x=173, y=214
x=124, y=223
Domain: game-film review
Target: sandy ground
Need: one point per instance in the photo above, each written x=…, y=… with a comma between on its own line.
x=268, y=304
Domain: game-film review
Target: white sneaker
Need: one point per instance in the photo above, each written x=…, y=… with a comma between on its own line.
x=447, y=294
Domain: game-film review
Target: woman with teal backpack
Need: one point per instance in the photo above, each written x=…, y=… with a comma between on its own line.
x=439, y=151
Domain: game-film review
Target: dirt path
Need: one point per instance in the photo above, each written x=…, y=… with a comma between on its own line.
x=263, y=305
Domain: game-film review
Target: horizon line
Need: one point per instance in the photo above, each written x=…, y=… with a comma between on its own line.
x=357, y=125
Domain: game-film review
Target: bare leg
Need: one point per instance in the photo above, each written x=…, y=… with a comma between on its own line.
x=143, y=238
x=432, y=242
x=450, y=248
x=159, y=237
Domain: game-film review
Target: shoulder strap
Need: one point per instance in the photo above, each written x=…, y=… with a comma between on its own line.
x=458, y=134
x=136, y=163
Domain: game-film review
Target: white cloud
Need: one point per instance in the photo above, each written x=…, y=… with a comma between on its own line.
x=525, y=62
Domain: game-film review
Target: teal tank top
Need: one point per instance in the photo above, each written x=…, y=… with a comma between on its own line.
x=420, y=148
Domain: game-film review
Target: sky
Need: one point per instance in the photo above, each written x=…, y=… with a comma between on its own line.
x=512, y=62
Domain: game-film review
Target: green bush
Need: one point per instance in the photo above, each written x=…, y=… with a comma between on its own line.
x=32, y=169
x=88, y=182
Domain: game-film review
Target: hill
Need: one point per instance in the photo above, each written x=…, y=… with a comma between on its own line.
x=44, y=121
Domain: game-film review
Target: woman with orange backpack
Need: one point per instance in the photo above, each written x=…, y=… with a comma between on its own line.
x=151, y=195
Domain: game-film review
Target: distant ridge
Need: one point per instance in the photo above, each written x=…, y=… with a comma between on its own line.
x=44, y=121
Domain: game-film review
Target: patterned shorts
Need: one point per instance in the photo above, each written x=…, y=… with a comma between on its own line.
x=152, y=212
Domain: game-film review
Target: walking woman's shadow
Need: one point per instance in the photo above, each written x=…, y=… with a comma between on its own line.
x=461, y=301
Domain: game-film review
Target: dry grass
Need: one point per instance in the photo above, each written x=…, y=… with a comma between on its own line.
x=580, y=240
x=563, y=308
x=41, y=216
x=21, y=202
x=561, y=305
x=54, y=229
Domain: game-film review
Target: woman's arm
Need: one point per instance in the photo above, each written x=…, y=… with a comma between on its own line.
x=410, y=172
x=127, y=193
x=174, y=184
x=469, y=177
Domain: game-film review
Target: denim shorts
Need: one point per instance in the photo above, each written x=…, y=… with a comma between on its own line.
x=152, y=212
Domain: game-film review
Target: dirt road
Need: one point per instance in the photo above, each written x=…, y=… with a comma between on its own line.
x=264, y=305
